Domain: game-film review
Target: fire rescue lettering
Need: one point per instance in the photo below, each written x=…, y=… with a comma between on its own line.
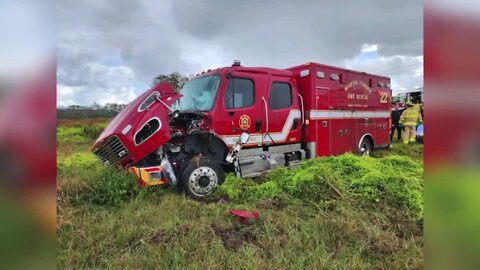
x=354, y=96
x=359, y=83
x=244, y=121
x=357, y=96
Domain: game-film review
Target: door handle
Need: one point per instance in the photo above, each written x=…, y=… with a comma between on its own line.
x=258, y=125
x=295, y=123
x=231, y=113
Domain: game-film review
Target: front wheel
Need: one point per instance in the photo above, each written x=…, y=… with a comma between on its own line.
x=201, y=176
x=365, y=147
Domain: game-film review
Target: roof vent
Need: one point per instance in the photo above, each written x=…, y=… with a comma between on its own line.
x=236, y=63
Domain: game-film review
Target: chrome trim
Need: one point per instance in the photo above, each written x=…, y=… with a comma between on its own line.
x=146, y=122
x=126, y=129
x=303, y=111
x=153, y=94
x=363, y=137
x=266, y=112
x=112, y=151
x=311, y=147
x=164, y=104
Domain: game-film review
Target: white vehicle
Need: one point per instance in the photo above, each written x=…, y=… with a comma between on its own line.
x=416, y=97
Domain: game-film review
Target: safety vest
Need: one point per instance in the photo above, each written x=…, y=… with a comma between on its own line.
x=410, y=117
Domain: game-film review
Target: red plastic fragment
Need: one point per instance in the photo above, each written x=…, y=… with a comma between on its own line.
x=243, y=216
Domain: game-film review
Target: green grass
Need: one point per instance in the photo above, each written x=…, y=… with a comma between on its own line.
x=332, y=213
x=79, y=133
x=413, y=151
x=396, y=181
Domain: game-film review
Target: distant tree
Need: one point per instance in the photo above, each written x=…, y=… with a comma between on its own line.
x=109, y=110
x=109, y=106
x=96, y=106
x=175, y=79
x=114, y=107
x=75, y=107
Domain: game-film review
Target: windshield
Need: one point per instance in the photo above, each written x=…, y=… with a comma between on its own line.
x=199, y=94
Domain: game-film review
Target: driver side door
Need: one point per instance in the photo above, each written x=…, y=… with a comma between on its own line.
x=241, y=102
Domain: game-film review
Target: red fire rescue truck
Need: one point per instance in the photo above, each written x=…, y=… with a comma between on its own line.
x=246, y=120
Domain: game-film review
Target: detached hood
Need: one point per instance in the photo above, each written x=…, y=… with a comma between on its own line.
x=139, y=129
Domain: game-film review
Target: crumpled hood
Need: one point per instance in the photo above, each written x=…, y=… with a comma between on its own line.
x=132, y=118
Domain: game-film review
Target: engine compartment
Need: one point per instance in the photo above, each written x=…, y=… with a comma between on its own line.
x=190, y=135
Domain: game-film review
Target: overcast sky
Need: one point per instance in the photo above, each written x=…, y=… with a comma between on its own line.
x=109, y=51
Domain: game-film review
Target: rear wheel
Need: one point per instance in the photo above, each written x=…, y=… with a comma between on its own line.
x=201, y=176
x=365, y=148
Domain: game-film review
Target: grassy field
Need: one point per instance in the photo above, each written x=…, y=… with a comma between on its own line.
x=341, y=212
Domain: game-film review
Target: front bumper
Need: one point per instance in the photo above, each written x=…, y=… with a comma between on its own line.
x=149, y=176
x=155, y=175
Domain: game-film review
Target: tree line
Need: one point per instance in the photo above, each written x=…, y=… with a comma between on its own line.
x=109, y=110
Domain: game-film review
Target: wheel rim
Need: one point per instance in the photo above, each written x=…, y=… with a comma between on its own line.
x=202, y=181
x=364, y=149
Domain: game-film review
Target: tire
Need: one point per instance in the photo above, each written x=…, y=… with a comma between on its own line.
x=201, y=176
x=365, y=147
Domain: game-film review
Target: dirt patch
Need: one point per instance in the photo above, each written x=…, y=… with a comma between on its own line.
x=160, y=237
x=404, y=226
x=234, y=236
x=380, y=241
x=387, y=244
x=163, y=236
x=276, y=203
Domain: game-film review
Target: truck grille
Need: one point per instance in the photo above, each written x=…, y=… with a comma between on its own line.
x=112, y=151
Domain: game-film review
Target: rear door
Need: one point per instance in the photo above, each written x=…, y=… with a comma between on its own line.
x=382, y=117
x=342, y=123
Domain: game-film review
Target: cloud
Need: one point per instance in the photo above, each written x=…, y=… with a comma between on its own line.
x=366, y=48
x=159, y=37
x=406, y=72
x=94, y=82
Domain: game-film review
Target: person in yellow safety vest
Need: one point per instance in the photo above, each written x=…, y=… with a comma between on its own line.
x=417, y=106
x=409, y=119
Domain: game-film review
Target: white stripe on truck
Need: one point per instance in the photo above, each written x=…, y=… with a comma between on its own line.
x=331, y=114
x=256, y=138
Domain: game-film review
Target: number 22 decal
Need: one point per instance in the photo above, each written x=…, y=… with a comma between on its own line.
x=383, y=97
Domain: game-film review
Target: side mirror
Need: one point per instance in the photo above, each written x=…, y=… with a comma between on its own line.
x=176, y=113
x=244, y=138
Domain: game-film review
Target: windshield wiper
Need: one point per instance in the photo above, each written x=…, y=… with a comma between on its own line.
x=194, y=105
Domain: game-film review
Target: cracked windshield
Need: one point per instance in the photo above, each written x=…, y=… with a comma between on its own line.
x=199, y=94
